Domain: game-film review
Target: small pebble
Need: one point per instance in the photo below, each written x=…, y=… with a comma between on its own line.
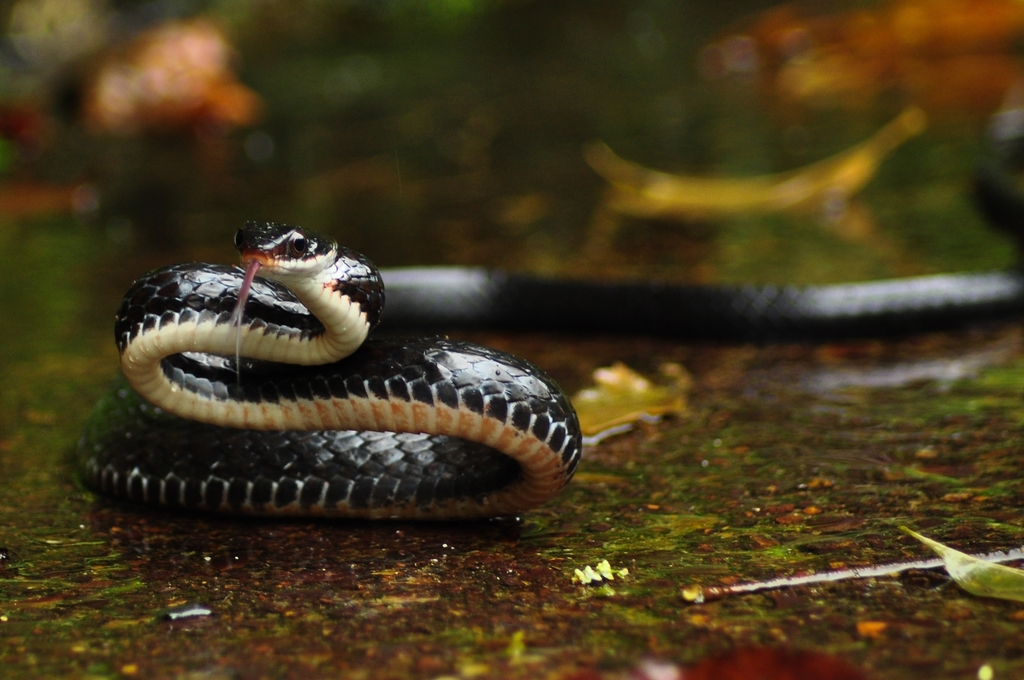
x=187, y=611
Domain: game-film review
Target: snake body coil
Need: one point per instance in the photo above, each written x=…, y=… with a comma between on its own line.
x=427, y=428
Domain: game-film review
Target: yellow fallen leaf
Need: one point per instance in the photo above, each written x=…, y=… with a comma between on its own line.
x=642, y=192
x=975, y=575
x=602, y=572
x=516, y=646
x=622, y=396
x=871, y=629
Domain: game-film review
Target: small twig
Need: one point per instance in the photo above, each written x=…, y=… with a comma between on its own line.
x=698, y=594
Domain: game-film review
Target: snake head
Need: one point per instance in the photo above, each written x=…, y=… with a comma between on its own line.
x=285, y=252
x=300, y=258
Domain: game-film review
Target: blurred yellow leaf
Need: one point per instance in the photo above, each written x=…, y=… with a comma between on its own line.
x=975, y=575
x=622, y=396
x=642, y=192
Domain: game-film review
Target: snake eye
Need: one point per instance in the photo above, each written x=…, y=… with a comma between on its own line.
x=298, y=245
x=238, y=238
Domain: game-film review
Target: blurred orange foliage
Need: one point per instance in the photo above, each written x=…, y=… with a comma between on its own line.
x=941, y=54
x=174, y=77
x=773, y=664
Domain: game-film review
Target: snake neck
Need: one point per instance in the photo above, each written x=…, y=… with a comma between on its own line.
x=166, y=345
x=345, y=326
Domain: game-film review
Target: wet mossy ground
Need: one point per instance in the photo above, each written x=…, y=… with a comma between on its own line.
x=768, y=474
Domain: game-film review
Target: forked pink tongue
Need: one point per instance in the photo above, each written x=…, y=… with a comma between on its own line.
x=237, y=312
x=243, y=292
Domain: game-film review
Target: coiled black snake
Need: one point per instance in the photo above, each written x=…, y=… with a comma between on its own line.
x=379, y=433
x=426, y=428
